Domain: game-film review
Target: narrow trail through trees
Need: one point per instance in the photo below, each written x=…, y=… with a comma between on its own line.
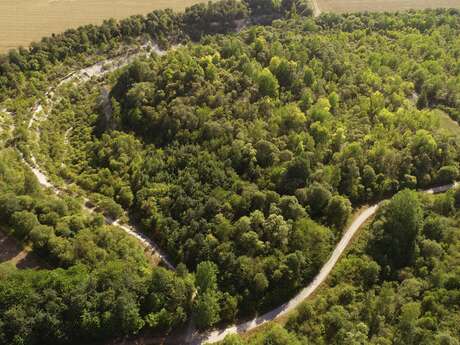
x=192, y=336
x=99, y=69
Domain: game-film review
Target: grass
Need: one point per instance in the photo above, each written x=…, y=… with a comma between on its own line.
x=341, y=6
x=449, y=125
x=24, y=21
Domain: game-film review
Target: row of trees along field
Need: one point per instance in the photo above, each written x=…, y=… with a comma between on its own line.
x=399, y=285
x=243, y=155
x=163, y=26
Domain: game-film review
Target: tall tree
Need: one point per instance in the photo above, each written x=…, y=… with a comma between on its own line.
x=396, y=230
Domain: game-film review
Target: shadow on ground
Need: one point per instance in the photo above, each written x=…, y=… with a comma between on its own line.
x=13, y=252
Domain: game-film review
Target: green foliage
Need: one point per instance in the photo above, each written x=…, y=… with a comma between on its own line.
x=416, y=305
x=236, y=150
x=338, y=211
x=234, y=154
x=275, y=335
x=163, y=26
x=23, y=222
x=317, y=198
x=206, y=277
x=62, y=306
x=397, y=230
x=214, y=17
x=267, y=83
x=448, y=174
x=207, y=307
x=279, y=336
x=168, y=299
x=206, y=310
x=103, y=279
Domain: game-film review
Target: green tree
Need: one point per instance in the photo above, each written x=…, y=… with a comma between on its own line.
x=40, y=236
x=207, y=310
x=338, y=211
x=410, y=313
x=206, y=276
x=266, y=153
x=308, y=76
x=397, y=230
x=125, y=197
x=277, y=335
x=268, y=84
x=289, y=118
x=318, y=198
x=233, y=339
x=23, y=222
x=284, y=71
x=128, y=313
x=447, y=174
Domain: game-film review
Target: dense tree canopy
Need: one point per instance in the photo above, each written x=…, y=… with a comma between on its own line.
x=243, y=156
x=163, y=26
x=418, y=303
x=250, y=150
x=104, y=286
x=400, y=227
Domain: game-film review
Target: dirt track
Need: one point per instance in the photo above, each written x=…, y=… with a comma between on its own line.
x=38, y=112
x=12, y=251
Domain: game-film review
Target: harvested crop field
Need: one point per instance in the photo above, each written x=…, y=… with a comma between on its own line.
x=341, y=6
x=24, y=21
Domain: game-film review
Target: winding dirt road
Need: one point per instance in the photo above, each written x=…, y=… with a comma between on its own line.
x=83, y=75
x=316, y=9
x=214, y=336
x=219, y=335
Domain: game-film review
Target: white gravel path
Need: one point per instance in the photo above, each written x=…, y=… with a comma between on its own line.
x=316, y=9
x=220, y=334
x=85, y=74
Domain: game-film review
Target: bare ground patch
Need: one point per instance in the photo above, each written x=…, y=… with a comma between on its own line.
x=13, y=252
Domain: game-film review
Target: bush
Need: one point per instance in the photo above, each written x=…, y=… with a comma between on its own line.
x=23, y=222
x=447, y=174
x=110, y=208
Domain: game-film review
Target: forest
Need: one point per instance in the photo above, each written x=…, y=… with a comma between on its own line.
x=20, y=67
x=243, y=151
x=409, y=294
x=102, y=284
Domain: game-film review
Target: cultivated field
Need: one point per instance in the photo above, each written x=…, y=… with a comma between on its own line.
x=23, y=21
x=341, y=6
